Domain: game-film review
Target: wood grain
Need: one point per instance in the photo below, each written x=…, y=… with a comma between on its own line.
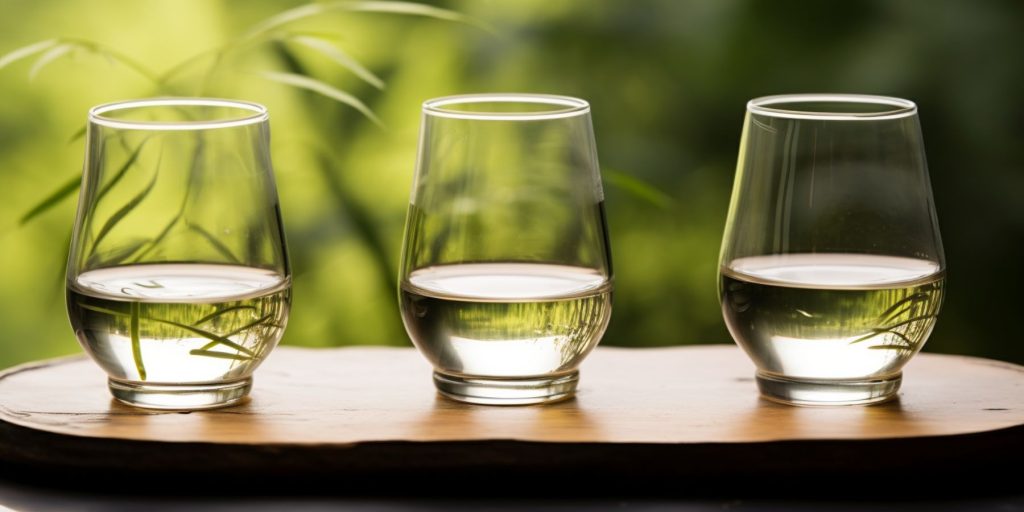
x=374, y=409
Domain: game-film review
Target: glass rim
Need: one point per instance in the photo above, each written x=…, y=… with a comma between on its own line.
x=562, y=106
x=258, y=114
x=892, y=107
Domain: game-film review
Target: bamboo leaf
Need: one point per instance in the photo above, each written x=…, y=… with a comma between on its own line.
x=119, y=255
x=219, y=355
x=908, y=321
x=319, y=34
x=250, y=325
x=135, y=317
x=217, y=244
x=72, y=185
x=339, y=57
x=893, y=313
x=55, y=48
x=25, y=51
x=637, y=187
x=208, y=335
x=323, y=89
x=361, y=220
x=79, y=133
x=383, y=7
x=879, y=332
x=124, y=60
x=120, y=214
x=903, y=337
x=193, y=171
x=908, y=301
x=411, y=9
x=181, y=66
x=132, y=158
x=136, y=341
x=55, y=197
x=46, y=58
x=112, y=55
x=159, y=237
x=221, y=312
x=102, y=310
x=243, y=328
x=283, y=18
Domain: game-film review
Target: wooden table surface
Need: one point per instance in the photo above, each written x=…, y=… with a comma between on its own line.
x=667, y=412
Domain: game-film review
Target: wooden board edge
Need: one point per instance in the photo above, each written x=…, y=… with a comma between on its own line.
x=24, y=445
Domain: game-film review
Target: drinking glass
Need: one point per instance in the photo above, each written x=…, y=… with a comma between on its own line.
x=506, y=276
x=178, y=281
x=832, y=271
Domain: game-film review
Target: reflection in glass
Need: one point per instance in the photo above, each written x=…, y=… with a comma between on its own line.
x=178, y=278
x=832, y=271
x=506, y=276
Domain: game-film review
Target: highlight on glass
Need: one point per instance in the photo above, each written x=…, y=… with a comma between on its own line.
x=506, y=276
x=832, y=271
x=178, y=281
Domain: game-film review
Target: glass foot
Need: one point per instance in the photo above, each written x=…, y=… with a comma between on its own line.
x=828, y=392
x=506, y=391
x=180, y=397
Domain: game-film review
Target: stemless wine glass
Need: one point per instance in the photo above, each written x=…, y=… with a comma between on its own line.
x=506, y=275
x=832, y=271
x=178, y=281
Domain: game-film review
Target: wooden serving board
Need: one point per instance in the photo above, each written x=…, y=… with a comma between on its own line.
x=667, y=413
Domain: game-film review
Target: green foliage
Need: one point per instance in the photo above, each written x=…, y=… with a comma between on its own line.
x=53, y=199
x=312, y=84
x=53, y=49
x=127, y=208
x=336, y=54
x=667, y=81
x=271, y=35
x=636, y=187
x=136, y=340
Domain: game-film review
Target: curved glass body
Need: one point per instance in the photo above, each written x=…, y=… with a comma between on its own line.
x=506, y=273
x=832, y=271
x=178, y=281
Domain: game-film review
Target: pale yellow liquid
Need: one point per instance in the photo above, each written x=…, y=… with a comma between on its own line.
x=505, y=319
x=179, y=310
x=831, y=316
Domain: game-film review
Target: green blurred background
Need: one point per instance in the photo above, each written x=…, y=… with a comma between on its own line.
x=667, y=80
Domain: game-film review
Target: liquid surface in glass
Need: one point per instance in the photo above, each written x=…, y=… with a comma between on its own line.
x=831, y=316
x=505, y=319
x=179, y=323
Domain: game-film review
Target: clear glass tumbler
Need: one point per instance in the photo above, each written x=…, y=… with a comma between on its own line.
x=178, y=280
x=832, y=271
x=506, y=275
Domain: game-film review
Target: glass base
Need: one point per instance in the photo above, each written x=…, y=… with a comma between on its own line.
x=180, y=397
x=828, y=392
x=507, y=391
